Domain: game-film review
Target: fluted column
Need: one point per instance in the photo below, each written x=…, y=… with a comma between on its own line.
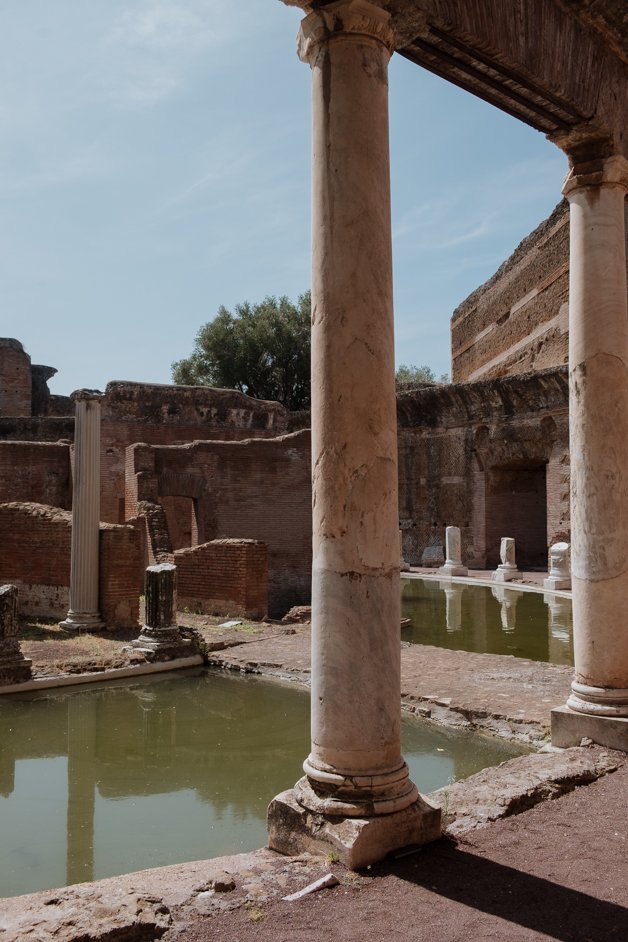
x=355, y=768
x=84, y=567
x=598, y=429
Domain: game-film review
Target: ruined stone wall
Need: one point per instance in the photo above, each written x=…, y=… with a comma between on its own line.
x=35, y=556
x=36, y=469
x=255, y=489
x=488, y=457
x=173, y=415
x=517, y=321
x=121, y=573
x=224, y=577
x=15, y=379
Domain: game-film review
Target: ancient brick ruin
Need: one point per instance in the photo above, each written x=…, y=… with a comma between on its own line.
x=221, y=483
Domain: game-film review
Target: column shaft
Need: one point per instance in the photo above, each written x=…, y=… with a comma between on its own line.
x=356, y=794
x=84, y=566
x=598, y=421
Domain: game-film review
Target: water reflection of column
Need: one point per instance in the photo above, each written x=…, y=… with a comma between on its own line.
x=453, y=605
x=508, y=599
x=560, y=629
x=81, y=788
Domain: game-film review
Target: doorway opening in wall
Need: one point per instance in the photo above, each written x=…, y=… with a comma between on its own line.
x=182, y=520
x=516, y=506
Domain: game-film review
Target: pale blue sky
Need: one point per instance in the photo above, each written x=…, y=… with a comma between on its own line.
x=154, y=164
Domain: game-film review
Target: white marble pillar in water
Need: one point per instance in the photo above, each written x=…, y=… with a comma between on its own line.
x=453, y=561
x=84, y=612
x=507, y=569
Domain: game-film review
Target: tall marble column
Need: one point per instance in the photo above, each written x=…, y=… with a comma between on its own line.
x=84, y=612
x=598, y=429
x=356, y=794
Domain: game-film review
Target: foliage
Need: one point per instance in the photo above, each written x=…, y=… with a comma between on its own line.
x=262, y=350
x=418, y=374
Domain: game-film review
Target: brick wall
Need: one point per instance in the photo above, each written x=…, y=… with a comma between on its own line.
x=121, y=573
x=256, y=489
x=224, y=577
x=35, y=555
x=15, y=379
x=173, y=415
x=518, y=320
x=488, y=457
x=36, y=471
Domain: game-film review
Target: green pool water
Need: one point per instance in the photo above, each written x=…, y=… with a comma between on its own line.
x=118, y=777
x=488, y=619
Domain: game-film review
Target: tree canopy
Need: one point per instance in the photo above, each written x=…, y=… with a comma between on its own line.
x=418, y=374
x=262, y=350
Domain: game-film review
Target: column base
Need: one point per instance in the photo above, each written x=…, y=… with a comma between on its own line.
x=506, y=574
x=82, y=621
x=451, y=569
x=15, y=670
x=357, y=842
x=569, y=727
x=556, y=584
x=162, y=644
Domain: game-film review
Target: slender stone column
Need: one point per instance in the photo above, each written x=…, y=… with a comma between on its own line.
x=355, y=769
x=598, y=430
x=84, y=612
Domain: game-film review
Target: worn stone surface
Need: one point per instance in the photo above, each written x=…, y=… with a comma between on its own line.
x=143, y=906
x=518, y=784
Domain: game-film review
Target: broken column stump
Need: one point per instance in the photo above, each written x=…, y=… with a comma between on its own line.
x=160, y=638
x=14, y=667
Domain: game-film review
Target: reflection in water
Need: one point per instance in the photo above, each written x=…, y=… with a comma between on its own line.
x=494, y=620
x=507, y=599
x=453, y=604
x=166, y=769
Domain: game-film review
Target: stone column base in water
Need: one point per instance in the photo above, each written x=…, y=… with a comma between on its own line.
x=453, y=562
x=160, y=638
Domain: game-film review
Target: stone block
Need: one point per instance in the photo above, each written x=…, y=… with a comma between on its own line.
x=358, y=842
x=569, y=727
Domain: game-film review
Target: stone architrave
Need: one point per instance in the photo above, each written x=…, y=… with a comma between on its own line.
x=507, y=569
x=560, y=568
x=160, y=638
x=356, y=798
x=84, y=614
x=453, y=561
x=403, y=565
x=14, y=667
x=598, y=431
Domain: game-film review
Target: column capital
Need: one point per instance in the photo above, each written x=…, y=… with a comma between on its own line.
x=341, y=19
x=87, y=395
x=609, y=171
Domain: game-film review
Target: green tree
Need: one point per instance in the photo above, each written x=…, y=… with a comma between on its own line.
x=418, y=374
x=261, y=349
